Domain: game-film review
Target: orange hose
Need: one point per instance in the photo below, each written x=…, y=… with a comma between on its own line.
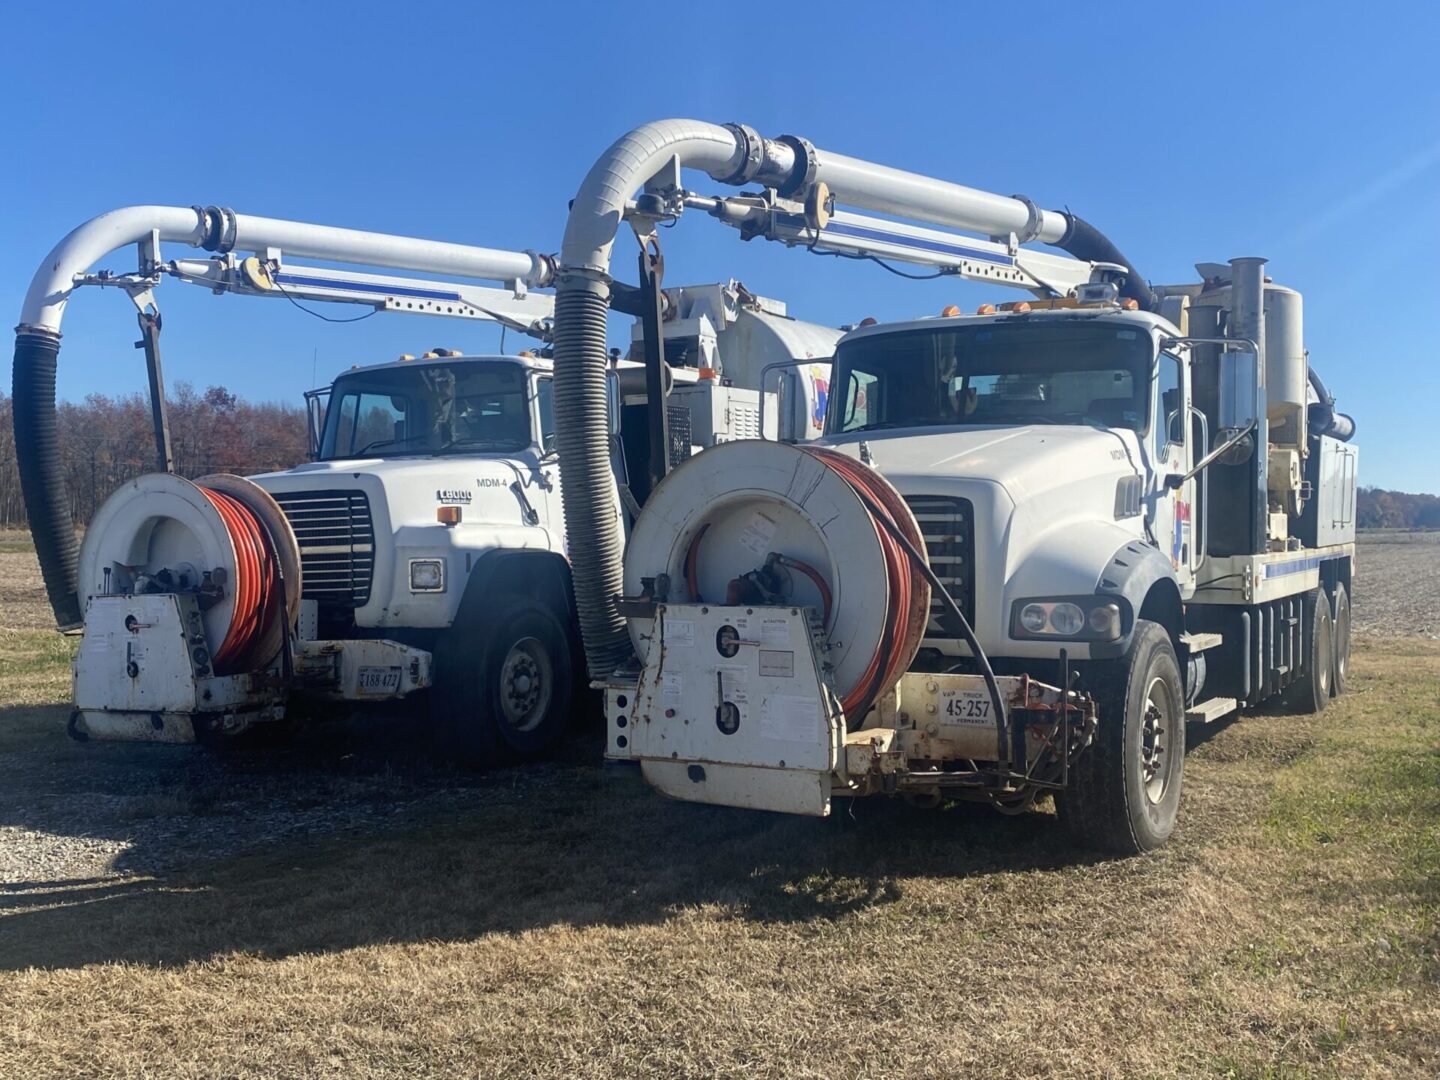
x=256, y=588
x=909, y=594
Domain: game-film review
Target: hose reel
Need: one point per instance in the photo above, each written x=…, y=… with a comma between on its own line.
x=771, y=523
x=222, y=539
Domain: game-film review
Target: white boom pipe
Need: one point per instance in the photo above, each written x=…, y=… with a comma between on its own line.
x=224, y=230
x=37, y=338
x=923, y=198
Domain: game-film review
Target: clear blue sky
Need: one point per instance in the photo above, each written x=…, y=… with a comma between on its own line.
x=1307, y=134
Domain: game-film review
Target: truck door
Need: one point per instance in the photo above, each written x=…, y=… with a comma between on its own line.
x=547, y=491
x=1174, y=523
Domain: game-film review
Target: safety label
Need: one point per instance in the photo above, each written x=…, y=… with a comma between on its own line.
x=777, y=663
x=678, y=633
x=775, y=632
x=759, y=534
x=790, y=718
x=672, y=691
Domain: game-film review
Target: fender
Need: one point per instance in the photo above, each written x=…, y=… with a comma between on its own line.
x=529, y=571
x=1127, y=578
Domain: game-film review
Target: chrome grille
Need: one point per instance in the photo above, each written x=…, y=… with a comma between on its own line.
x=948, y=525
x=337, y=544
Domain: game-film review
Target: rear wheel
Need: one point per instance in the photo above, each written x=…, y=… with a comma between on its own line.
x=1310, y=692
x=503, y=691
x=1340, y=676
x=1124, y=792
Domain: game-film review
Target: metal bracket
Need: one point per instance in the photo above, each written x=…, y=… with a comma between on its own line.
x=1032, y=220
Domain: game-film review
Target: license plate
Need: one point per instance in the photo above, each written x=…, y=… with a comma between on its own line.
x=966, y=707
x=378, y=680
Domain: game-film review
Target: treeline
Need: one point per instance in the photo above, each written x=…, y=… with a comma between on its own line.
x=106, y=441
x=1377, y=508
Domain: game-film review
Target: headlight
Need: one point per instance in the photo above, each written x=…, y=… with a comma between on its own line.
x=427, y=575
x=1067, y=620
x=1075, y=618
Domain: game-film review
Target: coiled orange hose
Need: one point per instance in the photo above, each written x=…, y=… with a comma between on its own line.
x=256, y=588
x=908, y=610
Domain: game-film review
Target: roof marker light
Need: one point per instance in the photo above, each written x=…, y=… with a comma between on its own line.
x=985, y=309
x=1130, y=304
x=867, y=321
x=949, y=311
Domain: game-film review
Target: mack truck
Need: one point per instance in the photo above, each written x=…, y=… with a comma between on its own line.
x=1034, y=542
x=423, y=547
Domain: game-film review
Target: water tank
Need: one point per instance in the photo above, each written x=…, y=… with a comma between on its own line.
x=1286, y=371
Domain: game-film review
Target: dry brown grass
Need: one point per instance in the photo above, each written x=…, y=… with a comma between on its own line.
x=579, y=925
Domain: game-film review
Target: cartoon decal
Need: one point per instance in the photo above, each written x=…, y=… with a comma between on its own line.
x=1178, y=550
x=819, y=379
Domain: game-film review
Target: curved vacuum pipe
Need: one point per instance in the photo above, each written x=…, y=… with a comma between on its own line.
x=1323, y=419
x=1089, y=244
x=37, y=338
x=730, y=154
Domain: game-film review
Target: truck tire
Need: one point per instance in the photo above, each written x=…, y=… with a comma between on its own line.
x=1124, y=791
x=1310, y=693
x=1340, y=676
x=503, y=693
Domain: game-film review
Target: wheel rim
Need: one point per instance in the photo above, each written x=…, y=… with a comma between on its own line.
x=1324, y=651
x=1342, y=640
x=1155, y=740
x=527, y=681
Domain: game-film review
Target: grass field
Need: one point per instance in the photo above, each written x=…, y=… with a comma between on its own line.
x=573, y=923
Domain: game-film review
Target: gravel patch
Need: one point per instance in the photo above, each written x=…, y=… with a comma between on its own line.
x=72, y=811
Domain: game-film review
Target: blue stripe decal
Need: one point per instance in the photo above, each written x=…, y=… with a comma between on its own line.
x=862, y=233
x=1297, y=566
x=367, y=287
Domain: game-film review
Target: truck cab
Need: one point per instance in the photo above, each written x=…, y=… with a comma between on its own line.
x=423, y=466
x=1033, y=446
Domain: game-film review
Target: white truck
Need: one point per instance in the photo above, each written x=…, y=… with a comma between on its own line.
x=1034, y=542
x=425, y=544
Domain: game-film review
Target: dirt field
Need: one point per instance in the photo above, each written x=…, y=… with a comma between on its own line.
x=349, y=907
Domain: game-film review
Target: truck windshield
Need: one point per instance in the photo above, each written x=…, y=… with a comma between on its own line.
x=1024, y=372
x=428, y=409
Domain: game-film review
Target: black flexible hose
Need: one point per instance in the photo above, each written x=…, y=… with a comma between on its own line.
x=582, y=436
x=1002, y=748
x=42, y=476
x=1088, y=243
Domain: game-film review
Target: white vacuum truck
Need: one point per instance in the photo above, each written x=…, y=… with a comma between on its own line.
x=424, y=545
x=1034, y=542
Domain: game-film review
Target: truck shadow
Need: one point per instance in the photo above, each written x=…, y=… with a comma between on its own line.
x=567, y=844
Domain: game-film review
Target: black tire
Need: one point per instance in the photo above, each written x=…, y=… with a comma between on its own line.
x=1340, y=675
x=1124, y=791
x=503, y=691
x=1310, y=692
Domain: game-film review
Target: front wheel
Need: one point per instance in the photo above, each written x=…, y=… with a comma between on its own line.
x=503, y=691
x=1124, y=792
